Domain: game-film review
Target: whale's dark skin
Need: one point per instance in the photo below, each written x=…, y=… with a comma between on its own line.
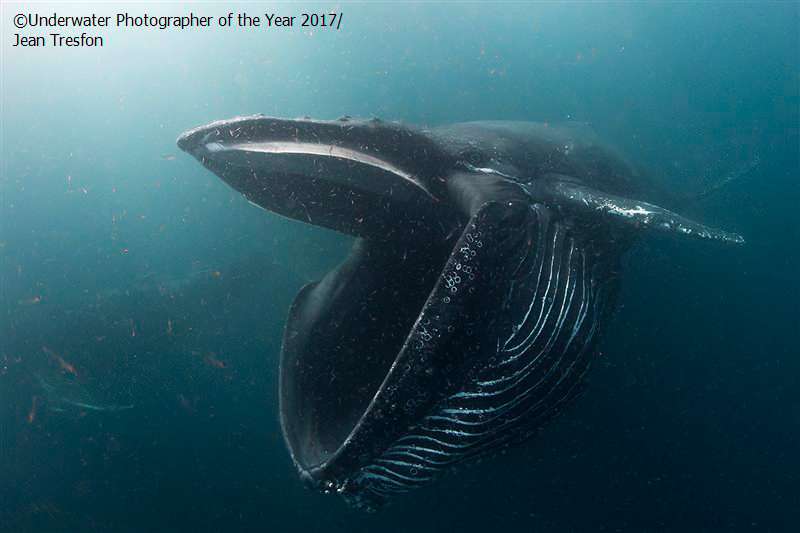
x=487, y=255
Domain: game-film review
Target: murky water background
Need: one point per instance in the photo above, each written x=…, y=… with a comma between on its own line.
x=143, y=300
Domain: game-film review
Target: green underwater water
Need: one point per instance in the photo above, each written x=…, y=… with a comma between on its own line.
x=143, y=300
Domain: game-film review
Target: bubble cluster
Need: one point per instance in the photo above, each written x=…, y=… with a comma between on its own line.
x=462, y=270
x=425, y=334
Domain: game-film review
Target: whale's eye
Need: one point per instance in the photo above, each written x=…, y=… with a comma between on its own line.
x=473, y=157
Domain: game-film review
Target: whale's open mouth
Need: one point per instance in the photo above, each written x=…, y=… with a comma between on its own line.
x=347, y=332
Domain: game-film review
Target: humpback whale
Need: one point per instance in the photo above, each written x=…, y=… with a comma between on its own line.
x=486, y=256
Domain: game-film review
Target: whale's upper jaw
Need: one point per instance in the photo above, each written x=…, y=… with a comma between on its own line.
x=361, y=177
x=238, y=141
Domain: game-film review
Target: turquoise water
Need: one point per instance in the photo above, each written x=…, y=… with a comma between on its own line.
x=143, y=300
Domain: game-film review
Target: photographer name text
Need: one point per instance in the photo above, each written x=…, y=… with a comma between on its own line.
x=50, y=30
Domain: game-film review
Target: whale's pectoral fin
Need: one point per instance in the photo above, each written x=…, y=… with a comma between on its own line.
x=629, y=211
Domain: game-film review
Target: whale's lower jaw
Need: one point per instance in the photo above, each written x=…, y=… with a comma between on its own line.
x=522, y=368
